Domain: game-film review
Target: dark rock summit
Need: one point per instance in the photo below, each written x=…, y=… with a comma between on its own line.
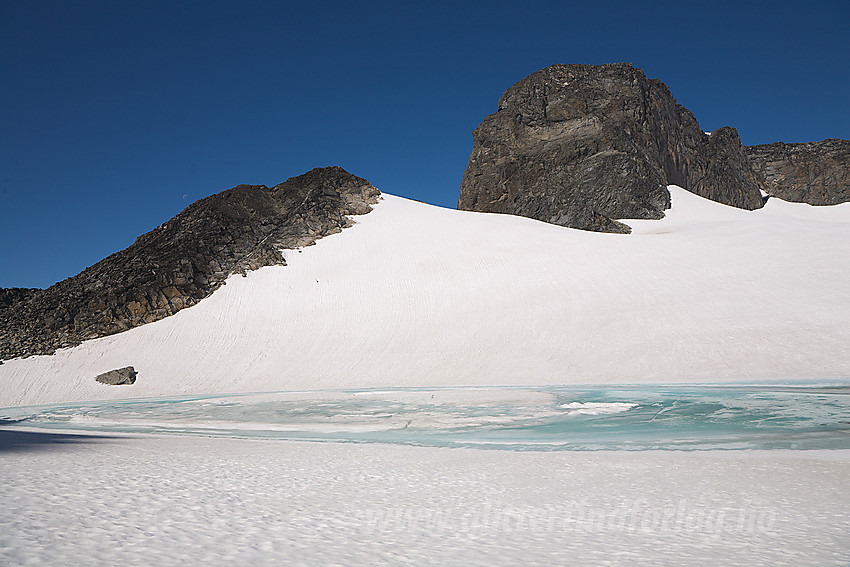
x=182, y=261
x=817, y=173
x=584, y=145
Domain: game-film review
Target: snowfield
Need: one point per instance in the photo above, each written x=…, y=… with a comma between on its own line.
x=416, y=295
x=195, y=501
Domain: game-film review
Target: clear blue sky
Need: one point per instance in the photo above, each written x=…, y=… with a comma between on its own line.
x=116, y=115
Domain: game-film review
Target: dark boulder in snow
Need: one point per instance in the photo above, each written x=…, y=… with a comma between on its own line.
x=118, y=377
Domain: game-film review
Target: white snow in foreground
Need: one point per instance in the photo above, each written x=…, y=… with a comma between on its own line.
x=199, y=501
x=419, y=295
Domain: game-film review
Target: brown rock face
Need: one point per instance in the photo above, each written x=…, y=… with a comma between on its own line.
x=10, y=295
x=183, y=261
x=817, y=173
x=583, y=145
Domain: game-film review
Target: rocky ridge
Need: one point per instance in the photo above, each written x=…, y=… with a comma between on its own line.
x=584, y=145
x=817, y=173
x=182, y=261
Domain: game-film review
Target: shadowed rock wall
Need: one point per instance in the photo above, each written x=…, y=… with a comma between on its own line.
x=583, y=145
x=817, y=173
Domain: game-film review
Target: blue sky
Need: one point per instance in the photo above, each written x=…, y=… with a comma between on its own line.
x=116, y=115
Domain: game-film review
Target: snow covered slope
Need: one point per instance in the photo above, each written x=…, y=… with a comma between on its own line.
x=419, y=295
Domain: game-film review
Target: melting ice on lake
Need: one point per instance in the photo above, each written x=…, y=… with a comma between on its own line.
x=537, y=419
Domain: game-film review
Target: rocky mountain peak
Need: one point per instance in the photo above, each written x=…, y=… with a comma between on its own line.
x=183, y=260
x=584, y=145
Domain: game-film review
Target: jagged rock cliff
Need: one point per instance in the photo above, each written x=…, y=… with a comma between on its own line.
x=583, y=145
x=182, y=261
x=817, y=173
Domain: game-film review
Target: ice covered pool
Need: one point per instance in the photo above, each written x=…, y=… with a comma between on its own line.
x=523, y=419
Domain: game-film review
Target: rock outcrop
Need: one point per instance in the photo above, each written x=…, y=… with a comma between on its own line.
x=11, y=295
x=118, y=377
x=182, y=261
x=584, y=145
x=817, y=173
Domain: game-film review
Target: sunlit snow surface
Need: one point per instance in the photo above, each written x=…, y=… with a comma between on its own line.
x=539, y=419
x=472, y=314
x=418, y=296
